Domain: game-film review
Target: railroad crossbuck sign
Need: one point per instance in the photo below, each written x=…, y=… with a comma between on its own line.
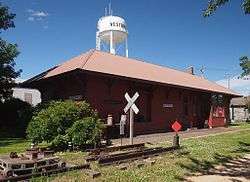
x=132, y=109
x=131, y=103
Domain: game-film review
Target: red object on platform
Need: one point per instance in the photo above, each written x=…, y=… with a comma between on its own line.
x=176, y=126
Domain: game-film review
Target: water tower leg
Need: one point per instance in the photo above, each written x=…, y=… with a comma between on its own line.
x=126, y=44
x=111, y=44
x=98, y=42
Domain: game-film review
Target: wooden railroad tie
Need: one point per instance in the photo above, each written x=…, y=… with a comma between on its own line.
x=123, y=167
x=115, y=148
x=47, y=173
x=150, y=162
x=132, y=155
x=93, y=174
x=140, y=164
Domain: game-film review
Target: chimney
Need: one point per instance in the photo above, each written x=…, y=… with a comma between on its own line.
x=190, y=70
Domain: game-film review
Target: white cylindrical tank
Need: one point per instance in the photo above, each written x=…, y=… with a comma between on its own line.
x=114, y=24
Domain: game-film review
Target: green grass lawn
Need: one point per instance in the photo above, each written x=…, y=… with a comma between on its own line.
x=8, y=145
x=18, y=145
x=196, y=155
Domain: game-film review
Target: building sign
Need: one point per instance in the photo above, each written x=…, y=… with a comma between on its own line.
x=76, y=97
x=168, y=105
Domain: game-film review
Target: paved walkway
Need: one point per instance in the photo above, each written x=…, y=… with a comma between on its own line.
x=236, y=170
x=168, y=137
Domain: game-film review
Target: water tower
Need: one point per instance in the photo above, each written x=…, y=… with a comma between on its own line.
x=112, y=34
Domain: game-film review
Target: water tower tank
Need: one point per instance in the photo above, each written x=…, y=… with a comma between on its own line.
x=111, y=30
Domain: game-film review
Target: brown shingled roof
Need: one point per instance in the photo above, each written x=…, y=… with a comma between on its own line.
x=241, y=101
x=102, y=62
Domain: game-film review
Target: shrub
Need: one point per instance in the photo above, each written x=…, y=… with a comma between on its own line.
x=60, y=142
x=86, y=131
x=52, y=122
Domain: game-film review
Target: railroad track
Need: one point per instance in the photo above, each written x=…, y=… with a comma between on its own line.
x=115, y=148
x=133, y=153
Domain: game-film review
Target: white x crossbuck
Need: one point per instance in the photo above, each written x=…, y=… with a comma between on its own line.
x=131, y=103
x=132, y=109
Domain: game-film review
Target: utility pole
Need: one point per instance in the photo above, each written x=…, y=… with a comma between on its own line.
x=228, y=77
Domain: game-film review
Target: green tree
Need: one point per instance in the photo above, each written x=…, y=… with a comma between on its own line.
x=245, y=65
x=8, y=53
x=213, y=5
x=14, y=113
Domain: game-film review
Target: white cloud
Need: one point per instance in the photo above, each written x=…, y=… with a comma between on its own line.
x=30, y=11
x=40, y=14
x=31, y=18
x=240, y=85
x=36, y=15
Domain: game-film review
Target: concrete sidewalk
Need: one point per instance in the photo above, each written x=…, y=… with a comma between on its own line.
x=168, y=136
x=237, y=170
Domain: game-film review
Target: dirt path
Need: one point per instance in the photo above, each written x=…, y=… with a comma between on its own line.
x=236, y=170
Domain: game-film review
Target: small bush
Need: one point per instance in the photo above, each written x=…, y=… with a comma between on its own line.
x=52, y=122
x=86, y=131
x=60, y=142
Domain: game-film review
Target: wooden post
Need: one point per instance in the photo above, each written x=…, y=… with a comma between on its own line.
x=131, y=125
x=176, y=141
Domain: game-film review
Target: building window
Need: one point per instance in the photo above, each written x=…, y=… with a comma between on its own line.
x=140, y=118
x=194, y=104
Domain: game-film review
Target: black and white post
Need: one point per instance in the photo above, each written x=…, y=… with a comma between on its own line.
x=132, y=109
x=122, y=124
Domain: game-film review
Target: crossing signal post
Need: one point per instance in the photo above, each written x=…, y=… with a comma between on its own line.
x=132, y=109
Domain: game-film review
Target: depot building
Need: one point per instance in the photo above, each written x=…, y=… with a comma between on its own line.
x=166, y=94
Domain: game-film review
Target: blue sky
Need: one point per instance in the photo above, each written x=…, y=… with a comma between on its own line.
x=170, y=33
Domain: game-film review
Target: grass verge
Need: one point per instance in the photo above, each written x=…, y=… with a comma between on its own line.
x=196, y=155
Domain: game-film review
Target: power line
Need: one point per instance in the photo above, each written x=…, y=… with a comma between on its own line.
x=222, y=69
